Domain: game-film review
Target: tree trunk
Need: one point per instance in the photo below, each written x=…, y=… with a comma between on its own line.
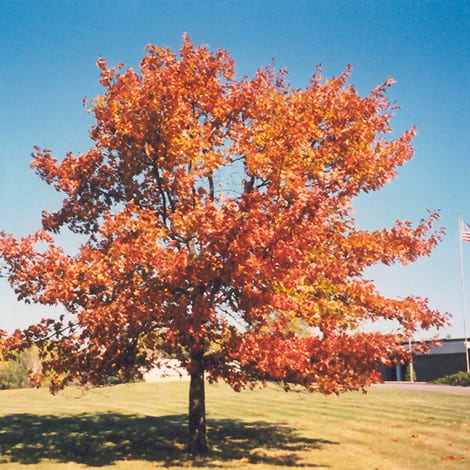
x=197, y=439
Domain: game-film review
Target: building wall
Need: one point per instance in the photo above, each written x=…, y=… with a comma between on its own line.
x=433, y=366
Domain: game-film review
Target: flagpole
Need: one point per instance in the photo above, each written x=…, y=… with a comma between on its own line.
x=462, y=285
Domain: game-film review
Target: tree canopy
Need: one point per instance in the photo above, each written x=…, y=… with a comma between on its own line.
x=218, y=229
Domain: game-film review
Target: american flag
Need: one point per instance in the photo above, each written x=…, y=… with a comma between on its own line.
x=465, y=232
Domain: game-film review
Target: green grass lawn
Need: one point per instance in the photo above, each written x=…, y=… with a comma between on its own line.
x=144, y=426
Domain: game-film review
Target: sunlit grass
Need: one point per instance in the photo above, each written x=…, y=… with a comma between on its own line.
x=144, y=426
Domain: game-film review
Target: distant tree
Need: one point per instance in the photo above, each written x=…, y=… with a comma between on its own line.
x=20, y=369
x=218, y=228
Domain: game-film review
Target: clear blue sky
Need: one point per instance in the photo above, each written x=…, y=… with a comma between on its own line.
x=47, y=62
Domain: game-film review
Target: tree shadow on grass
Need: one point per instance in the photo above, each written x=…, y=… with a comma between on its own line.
x=102, y=439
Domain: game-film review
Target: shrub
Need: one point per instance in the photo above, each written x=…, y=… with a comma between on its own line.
x=459, y=378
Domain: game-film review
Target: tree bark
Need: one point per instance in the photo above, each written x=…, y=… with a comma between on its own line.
x=197, y=438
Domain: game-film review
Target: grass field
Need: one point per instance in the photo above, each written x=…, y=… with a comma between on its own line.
x=142, y=426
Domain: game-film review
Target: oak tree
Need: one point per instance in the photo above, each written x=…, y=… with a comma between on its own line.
x=218, y=230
